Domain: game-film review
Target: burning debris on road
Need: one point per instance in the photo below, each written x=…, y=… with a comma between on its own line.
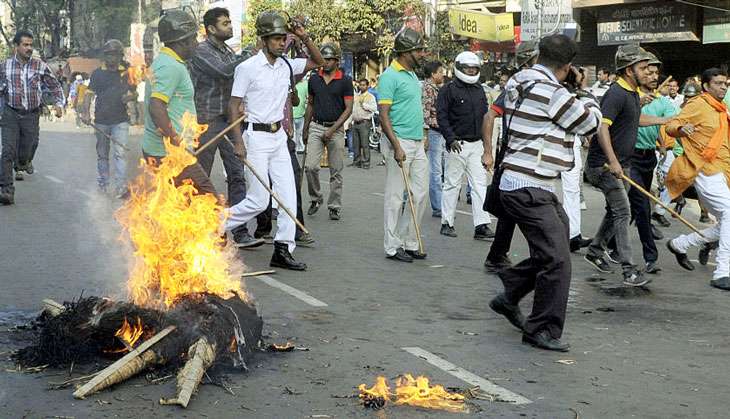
x=187, y=306
x=412, y=392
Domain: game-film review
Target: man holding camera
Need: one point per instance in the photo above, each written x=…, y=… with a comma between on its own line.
x=541, y=132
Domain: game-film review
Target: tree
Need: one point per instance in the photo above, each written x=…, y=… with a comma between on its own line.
x=443, y=44
x=256, y=7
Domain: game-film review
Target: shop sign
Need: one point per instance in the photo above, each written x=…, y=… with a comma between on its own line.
x=483, y=26
x=716, y=27
x=545, y=17
x=658, y=22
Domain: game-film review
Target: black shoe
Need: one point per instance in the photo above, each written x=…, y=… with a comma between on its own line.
x=598, y=262
x=483, y=232
x=335, y=214
x=283, y=259
x=634, y=278
x=682, y=258
x=494, y=266
x=304, y=239
x=243, y=240
x=29, y=168
x=313, y=207
x=19, y=176
x=652, y=268
x=704, y=218
x=7, y=198
x=661, y=220
x=401, y=256
x=355, y=164
x=468, y=199
x=656, y=234
x=447, y=230
x=415, y=254
x=721, y=283
x=578, y=242
x=366, y=166
x=512, y=312
x=543, y=340
x=704, y=256
x=612, y=256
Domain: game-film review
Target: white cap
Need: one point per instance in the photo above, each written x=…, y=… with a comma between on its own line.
x=469, y=59
x=78, y=77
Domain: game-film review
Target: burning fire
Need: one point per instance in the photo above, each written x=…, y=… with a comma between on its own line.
x=411, y=391
x=130, y=334
x=136, y=74
x=177, y=243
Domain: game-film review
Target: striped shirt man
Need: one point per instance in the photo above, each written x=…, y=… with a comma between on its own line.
x=543, y=129
x=25, y=83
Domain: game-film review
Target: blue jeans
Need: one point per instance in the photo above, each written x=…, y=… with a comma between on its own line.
x=436, y=150
x=120, y=133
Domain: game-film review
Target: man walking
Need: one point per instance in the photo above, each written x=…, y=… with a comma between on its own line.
x=170, y=95
x=401, y=116
x=614, y=146
x=23, y=78
x=703, y=126
x=109, y=85
x=211, y=69
x=329, y=105
x=264, y=82
x=363, y=108
x=434, y=73
x=461, y=107
x=546, y=125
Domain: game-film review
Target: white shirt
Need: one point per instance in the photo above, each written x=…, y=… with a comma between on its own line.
x=264, y=87
x=677, y=101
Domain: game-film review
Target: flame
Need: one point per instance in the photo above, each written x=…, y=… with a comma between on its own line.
x=130, y=334
x=418, y=392
x=233, y=346
x=136, y=74
x=177, y=243
x=413, y=392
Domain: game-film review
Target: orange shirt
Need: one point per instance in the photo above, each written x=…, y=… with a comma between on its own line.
x=687, y=166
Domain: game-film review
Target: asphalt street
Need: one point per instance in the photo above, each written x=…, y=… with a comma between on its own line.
x=658, y=352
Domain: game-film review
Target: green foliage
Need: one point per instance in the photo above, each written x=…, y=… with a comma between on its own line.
x=442, y=44
x=255, y=7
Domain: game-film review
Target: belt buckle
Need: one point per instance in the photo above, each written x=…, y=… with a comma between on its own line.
x=273, y=127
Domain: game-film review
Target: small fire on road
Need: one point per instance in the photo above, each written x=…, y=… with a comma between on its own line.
x=412, y=392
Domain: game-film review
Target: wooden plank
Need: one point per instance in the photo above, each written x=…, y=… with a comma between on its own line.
x=257, y=273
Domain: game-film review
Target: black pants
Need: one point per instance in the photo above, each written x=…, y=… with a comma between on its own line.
x=194, y=173
x=543, y=222
x=233, y=165
x=19, y=143
x=643, y=163
x=264, y=219
x=502, y=239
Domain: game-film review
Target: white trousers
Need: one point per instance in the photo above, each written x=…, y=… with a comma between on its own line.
x=269, y=156
x=664, y=194
x=398, y=226
x=468, y=161
x=571, y=191
x=714, y=195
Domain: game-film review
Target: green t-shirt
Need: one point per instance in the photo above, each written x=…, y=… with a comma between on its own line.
x=171, y=83
x=302, y=90
x=401, y=89
x=647, y=136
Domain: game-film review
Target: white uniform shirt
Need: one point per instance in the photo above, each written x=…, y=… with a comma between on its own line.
x=677, y=101
x=264, y=87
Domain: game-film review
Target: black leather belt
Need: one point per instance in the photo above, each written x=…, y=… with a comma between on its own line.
x=325, y=124
x=274, y=127
x=469, y=140
x=23, y=111
x=644, y=152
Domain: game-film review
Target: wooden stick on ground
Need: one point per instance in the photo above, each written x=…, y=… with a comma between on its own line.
x=658, y=201
x=125, y=367
x=200, y=357
x=413, y=209
x=52, y=307
x=257, y=273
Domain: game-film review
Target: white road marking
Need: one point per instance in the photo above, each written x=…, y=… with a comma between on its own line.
x=292, y=291
x=86, y=194
x=463, y=212
x=708, y=263
x=467, y=376
x=378, y=194
x=54, y=179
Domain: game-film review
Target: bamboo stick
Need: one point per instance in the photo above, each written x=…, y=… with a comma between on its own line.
x=413, y=209
x=200, y=357
x=52, y=307
x=247, y=274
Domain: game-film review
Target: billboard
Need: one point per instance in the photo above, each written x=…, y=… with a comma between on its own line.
x=482, y=26
x=655, y=22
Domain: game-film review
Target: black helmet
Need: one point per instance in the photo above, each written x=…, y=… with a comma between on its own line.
x=630, y=54
x=408, y=40
x=330, y=50
x=176, y=25
x=526, y=51
x=271, y=23
x=113, y=46
x=691, y=90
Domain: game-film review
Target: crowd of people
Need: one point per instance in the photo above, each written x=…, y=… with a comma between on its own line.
x=517, y=145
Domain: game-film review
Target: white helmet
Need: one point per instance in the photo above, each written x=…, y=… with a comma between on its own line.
x=467, y=59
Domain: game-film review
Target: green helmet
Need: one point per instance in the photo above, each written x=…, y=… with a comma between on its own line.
x=113, y=46
x=653, y=60
x=176, y=25
x=628, y=55
x=526, y=51
x=271, y=23
x=330, y=50
x=408, y=40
